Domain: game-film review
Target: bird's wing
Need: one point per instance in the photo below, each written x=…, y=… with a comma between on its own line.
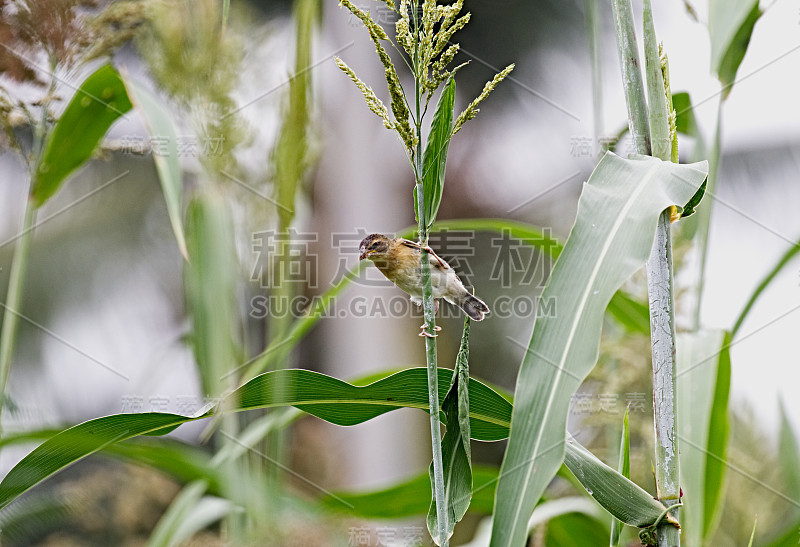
x=434, y=259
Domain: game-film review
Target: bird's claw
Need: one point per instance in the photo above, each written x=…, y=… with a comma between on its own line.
x=427, y=334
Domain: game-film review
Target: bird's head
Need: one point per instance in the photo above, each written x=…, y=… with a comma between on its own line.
x=374, y=246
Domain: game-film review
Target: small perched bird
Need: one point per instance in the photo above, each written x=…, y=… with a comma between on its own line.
x=399, y=260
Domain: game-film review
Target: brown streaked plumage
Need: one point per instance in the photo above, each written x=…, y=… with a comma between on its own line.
x=399, y=260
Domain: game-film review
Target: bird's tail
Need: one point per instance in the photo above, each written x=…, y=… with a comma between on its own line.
x=473, y=306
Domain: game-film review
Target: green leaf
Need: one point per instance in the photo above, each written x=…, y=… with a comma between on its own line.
x=730, y=25
x=411, y=497
x=625, y=470
x=341, y=403
x=323, y=396
x=569, y=520
x=78, y=442
x=704, y=377
x=691, y=207
x=574, y=529
x=183, y=462
x=97, y=104
x=611, y=239
x=785, y=259
x=290, y=155
x=632, y=314
x=784, y=536
x=684, y=111
x=36, y=516
x=159, y=124
x=10, y=438
x=617, y=494
x=434, y=160
x=254, y=433
x=456, y=452
x=210, y=281
x=660, y=143
x=189, y=513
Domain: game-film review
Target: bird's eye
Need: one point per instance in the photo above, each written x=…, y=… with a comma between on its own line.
x=374, y=245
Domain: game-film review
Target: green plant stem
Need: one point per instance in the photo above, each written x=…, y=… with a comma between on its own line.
x=433, y=383
x=19, y=263
x=659, y=265
x=635, y=100
x=277, y=443
x=11, y=307
x=428, y=312
x=665, y=408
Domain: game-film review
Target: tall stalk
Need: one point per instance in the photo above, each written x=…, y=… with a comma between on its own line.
x=19, y=266
x=428, y=309
x=19, y=262
x=426, y=39
x=651, y=135
x=430, y=345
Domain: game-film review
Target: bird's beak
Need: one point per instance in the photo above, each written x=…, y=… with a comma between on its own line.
x=363, y=255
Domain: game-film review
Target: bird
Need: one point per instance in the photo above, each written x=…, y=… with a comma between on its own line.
x=400, y=261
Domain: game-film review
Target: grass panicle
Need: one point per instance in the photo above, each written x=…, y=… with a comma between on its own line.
x=403, y=29
x=372, y=27
x=398, y=102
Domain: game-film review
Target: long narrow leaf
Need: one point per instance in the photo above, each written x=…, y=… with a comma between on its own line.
x=345, y=404
x=184, y=462
x=35, y=516
x=660, y=143
x=456, y=452
x=577, y=528
x=78, y=442
x=434, y=160
x=611, y=239
x=625, y=470
x=703, y=387
x=490, y=413
x=618, y=495
x=785, y=259
x=189, y=513
x=685, y=120
x=730, y=25
x=553, y=509
x=159, y=124
x=211, y=288
x=99, y=101
x=323, y=396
